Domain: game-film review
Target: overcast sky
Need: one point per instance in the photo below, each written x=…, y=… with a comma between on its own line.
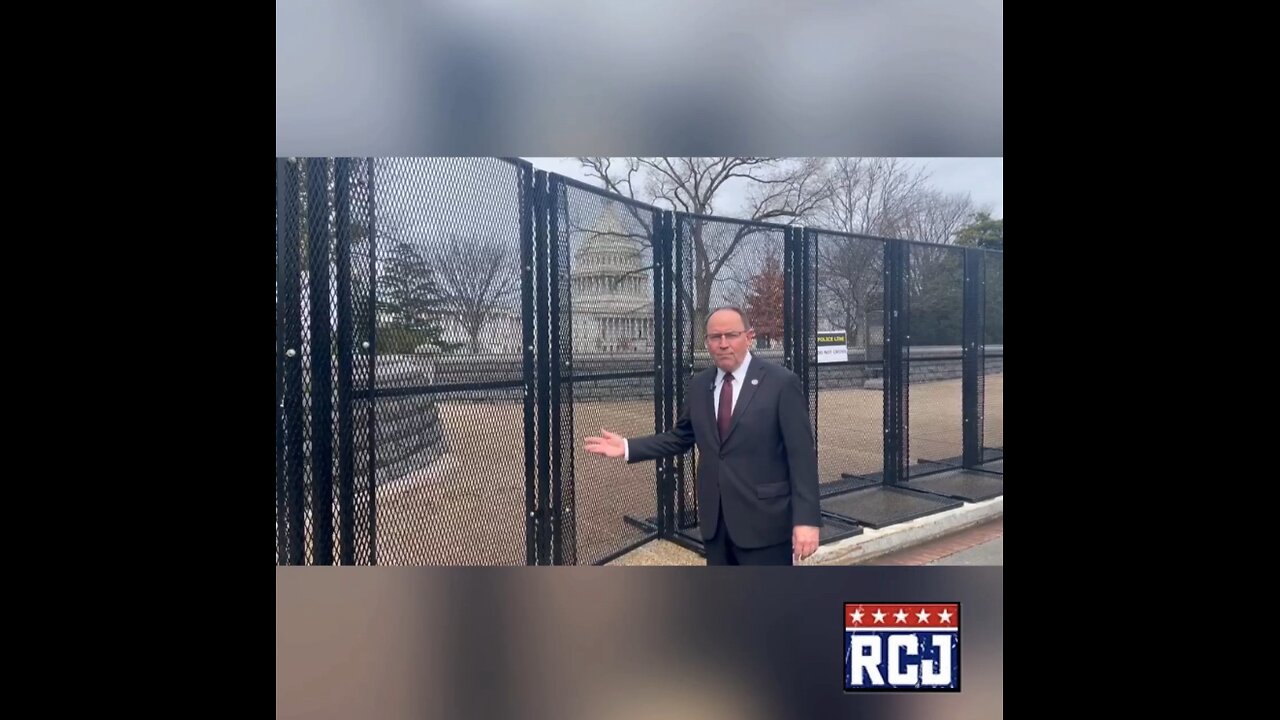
x=982, y=178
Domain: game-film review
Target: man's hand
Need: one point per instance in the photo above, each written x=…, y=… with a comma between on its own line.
x=804, y=542
x=610, y=445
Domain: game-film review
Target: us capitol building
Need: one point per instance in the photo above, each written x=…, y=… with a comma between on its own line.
x=612, y=288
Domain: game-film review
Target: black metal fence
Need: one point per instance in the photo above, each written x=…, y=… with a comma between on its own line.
x=324, y=368
x=607, y=348
x=934, y=344
x=849, y=287
x=449, y=330
x=992, y=375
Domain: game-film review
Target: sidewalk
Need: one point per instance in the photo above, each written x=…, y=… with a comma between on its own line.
x=979, y=545
x=972, y=534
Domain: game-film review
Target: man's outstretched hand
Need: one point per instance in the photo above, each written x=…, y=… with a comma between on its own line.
x=610, y=445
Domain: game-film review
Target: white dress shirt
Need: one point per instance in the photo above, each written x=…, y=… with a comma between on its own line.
x=739, y=376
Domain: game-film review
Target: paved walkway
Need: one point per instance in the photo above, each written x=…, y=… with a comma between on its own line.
x=969, y=535
x=978, y=545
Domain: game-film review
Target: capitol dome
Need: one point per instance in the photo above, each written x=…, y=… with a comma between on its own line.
x=612, y=286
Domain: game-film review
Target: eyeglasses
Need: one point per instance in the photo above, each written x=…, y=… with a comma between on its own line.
x=728, y=336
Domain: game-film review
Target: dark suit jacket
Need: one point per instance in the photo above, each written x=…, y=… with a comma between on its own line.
x=765, y=475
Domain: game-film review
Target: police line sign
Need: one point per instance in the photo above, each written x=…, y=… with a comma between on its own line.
x=902, y=647
x=832, y=346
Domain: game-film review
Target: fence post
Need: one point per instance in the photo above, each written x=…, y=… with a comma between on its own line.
x=674, y=381
x=561, y=503
x=372, y=349
x=346, y=348
x=530, y=207
x=895, y=348
x=789, y=288
x=808, y=329
x=973, y=361
x=681, y=366
x=289, y=452
x=321, y=392
x=544, y=371
x=661, y=364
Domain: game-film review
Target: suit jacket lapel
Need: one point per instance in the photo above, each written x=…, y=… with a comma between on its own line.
x=748, y=391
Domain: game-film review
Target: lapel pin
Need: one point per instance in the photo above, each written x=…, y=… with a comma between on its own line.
x=755, y=382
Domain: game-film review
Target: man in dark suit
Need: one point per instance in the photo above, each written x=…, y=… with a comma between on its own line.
x=757, y=470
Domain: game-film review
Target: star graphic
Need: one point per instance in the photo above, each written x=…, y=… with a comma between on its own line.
x=923, y=615
x=901, y=615
x=945, y=616
x=879, y=615
x=856, y=615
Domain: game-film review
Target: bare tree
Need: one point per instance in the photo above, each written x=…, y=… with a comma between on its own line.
x=781, y=190
x=883, y=197
x=479, y=283
x=935, y=271
x=939, y=217
x=850, y=280
x=868, y=196
x=872, y=196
